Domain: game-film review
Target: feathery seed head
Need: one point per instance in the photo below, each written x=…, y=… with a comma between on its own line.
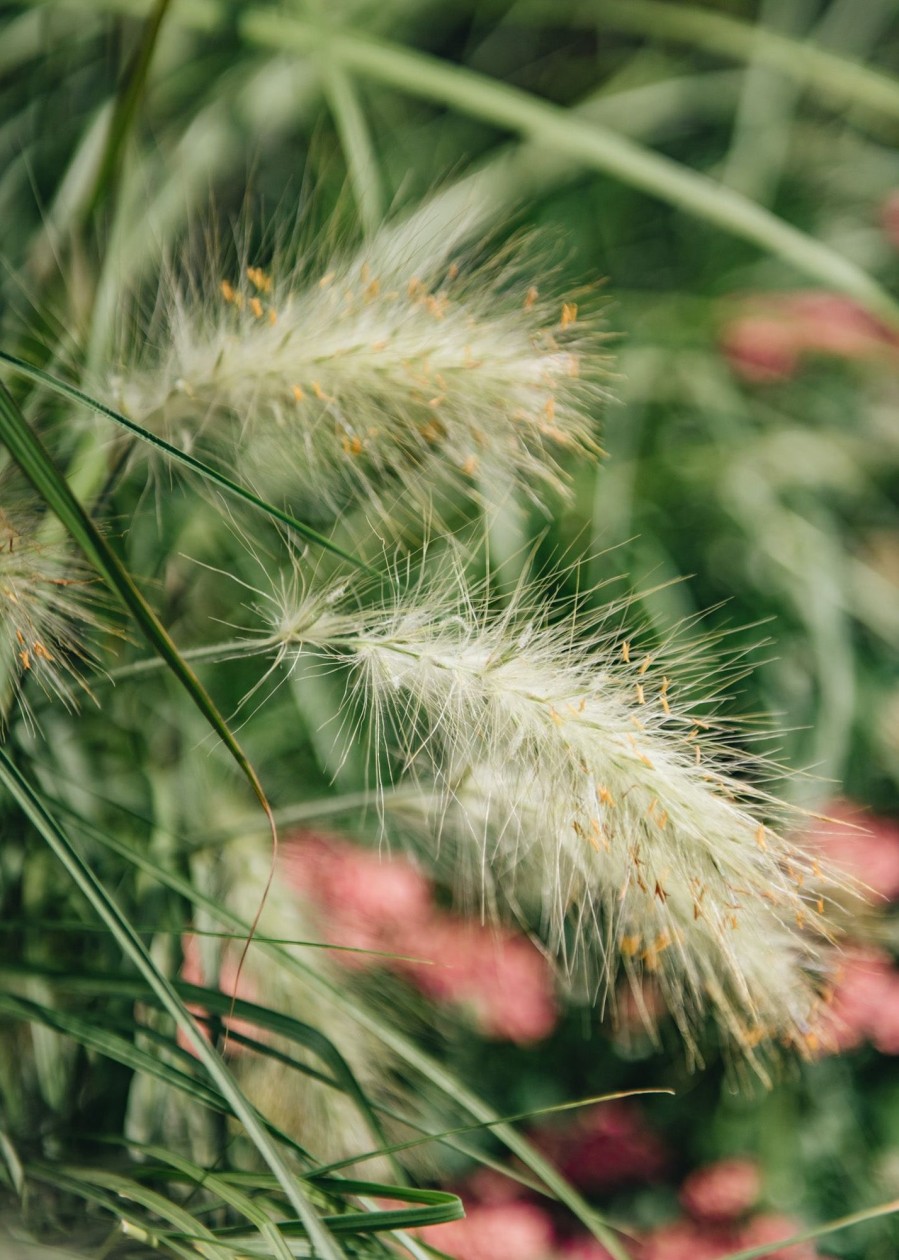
x=336, y=380
x=42, y=605
x=567, y=775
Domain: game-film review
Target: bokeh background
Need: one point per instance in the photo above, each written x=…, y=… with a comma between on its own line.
x=749, y=486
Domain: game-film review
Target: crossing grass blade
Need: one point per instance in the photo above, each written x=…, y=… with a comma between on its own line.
x=441, y=1078
x=233, y=488
x=28, y=800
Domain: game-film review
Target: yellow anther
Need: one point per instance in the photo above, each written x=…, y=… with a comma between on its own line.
x=569, y=314
x=298, y=394
x=259, y=279
x=641, y=695
x=626, y=651
x=530, y=297
x=256, y=307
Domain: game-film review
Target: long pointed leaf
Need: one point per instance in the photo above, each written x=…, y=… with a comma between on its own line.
x=133, y=949
x=403, y=1046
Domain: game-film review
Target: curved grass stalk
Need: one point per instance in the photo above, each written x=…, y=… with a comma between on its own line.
x=597, y=147
x=819, y=1231
x=828, y=73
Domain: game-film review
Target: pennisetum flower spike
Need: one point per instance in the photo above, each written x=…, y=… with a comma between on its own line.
x=43, y=606
x=564, y=770
x=398, y=365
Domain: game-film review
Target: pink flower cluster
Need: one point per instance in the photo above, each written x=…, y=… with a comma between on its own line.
x=863, y=845
x=720, y=1201
x=374, y=903
x=864, y=1004
x=767, y=340
x=606, y=1147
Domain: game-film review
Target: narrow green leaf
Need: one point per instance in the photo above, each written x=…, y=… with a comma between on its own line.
x=133, y=949
x=402, y=1046
x=83, y=1187
x=30, y=454
x=181, y=457
x=818, y=1231
x=124, y=112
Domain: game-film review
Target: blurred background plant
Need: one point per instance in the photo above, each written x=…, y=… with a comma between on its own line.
x=717, y=184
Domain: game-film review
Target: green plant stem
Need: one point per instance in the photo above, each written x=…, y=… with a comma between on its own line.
x=830, y=74
x=596, y=147
x=819, y=1231
x=401, y=1045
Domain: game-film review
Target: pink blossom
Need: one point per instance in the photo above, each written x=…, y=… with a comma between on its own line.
x=386, y=889
x=767, y=339
x=229, y=983
x=687, y=1240
x=495, y=1232
x=384, y=905
x=583, y=1248
x=760, y=349
x=864, y=845
x=488, y=1185
x=607, y=1146
x=499, y=978
x=693, y=1240
x=768, y=1229
x=863, y=1005
x=723, y=1191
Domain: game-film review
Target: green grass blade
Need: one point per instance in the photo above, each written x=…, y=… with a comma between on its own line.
x=561, y=130
x=818, y=1231
x=124, y=112
x=82, y=1184
x=829, y=74
x=229, y=1194
x=402, y=1046
x=106, y=1042
x=133, y=949
x=349, y=118
x=181, y=457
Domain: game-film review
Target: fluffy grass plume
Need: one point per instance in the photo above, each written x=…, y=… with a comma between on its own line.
x=408, y=363
x=565, y=770
x=43, y=606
